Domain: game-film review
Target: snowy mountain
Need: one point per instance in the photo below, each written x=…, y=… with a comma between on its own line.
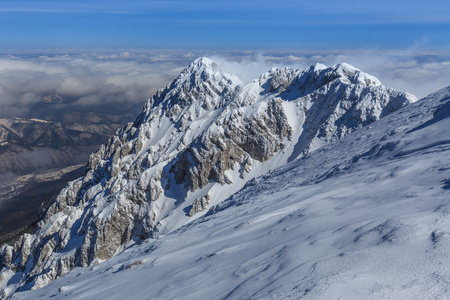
x=195, y=155
x=364, y=217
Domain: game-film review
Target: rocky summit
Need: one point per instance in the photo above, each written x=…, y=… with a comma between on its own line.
x=196, y=143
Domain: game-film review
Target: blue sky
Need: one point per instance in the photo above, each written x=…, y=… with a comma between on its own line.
x=232, y=24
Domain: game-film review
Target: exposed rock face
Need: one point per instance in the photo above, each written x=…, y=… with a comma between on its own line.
x=199, y=205
x=196, y=142
x=219, y=149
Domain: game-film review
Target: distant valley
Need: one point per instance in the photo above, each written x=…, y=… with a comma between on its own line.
x=39, y=156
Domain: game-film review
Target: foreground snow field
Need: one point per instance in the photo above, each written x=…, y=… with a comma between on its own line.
x=365, y=217
x=196, y=143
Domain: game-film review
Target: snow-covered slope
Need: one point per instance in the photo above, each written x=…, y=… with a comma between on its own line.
x=366, y=217
x=197, y=142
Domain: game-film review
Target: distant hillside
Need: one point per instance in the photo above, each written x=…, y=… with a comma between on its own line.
x=37, y=159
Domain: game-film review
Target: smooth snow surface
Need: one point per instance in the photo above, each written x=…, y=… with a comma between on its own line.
x=365, y=217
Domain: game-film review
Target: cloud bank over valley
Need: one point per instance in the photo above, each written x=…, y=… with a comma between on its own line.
x=49, y=84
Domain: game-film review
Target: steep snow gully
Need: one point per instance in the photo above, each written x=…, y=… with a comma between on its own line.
x=283, y=187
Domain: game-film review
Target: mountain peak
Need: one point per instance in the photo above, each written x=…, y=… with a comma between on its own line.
x=201, y=84
x=354, y=75
x=200, y=65
x=197, y=142
x=204, y=61
x=200, y=71
x=317, y=67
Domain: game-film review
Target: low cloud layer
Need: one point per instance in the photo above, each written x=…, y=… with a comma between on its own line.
x=82, y=80
x=112, y=81
x=417, y=72
x=414, y=71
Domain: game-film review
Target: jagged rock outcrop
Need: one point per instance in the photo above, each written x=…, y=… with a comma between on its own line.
x=196, y=142
x=219, y=149
x=199, y=205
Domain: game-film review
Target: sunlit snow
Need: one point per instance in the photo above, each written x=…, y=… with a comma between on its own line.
x=365, y=217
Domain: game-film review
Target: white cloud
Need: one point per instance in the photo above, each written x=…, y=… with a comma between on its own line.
x=106, y=79
x=412, y=70
x=83, y=79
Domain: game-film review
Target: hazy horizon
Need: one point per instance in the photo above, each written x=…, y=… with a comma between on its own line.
x=97, y=53
x=120, y=81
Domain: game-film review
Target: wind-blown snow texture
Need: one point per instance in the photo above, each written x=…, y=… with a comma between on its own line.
x=302, y=230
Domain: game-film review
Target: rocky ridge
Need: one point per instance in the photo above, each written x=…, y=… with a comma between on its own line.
x=196, y=142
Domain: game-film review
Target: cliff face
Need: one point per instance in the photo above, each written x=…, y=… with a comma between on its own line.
x=196, y=142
